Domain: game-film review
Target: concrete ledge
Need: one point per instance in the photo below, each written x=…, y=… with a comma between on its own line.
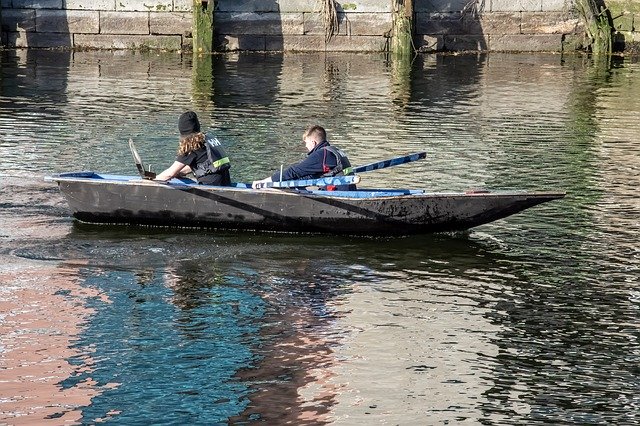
x=106, y=41
x=124, y=23
x=526, y=43
x=67, y=21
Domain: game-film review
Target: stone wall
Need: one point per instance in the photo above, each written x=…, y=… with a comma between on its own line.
x=298, y=25
x=97, y=24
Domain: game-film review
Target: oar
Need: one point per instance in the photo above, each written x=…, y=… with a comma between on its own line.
x=326, y=181
x=138, y=160
x=391, y=162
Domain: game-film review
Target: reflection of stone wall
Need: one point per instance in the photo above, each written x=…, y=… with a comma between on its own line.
x=298, y=25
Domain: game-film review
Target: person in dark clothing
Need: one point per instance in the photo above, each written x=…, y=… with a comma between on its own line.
x=323, y=160
x=199, y=154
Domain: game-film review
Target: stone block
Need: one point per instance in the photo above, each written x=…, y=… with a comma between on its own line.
x=18, y=20
x=312, y=43
x=68, y=21
x=435, y=6
x=459, y=43
x=5, y=4
x=428, y=44
x=354, y=24
x=516, y=6
x=255, y=6
x=124, y=23
x=501, y=22
x=23, y=39
x=298, y=6
x=171, y=23
x=90, y=5
x=623, y=22
x=314, y=25
x=439, y=23
x=548, y=23
x=37, y=4
x=144, y=5
x=132, y=42
x=556, y=5
x=258, y=23
x=526, y=43
x=240, y=42
x=182, y=5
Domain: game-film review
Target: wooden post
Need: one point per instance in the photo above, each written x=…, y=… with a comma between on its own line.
x=202, y=26
x=597, y=26
x=402, y=37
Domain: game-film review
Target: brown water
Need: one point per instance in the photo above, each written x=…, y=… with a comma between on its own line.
x=531, y=319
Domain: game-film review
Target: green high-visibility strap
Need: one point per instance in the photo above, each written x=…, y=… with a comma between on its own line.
x=220, y=162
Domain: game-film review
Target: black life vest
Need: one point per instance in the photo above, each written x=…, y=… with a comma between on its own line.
x=217, y=159
x=343, y=165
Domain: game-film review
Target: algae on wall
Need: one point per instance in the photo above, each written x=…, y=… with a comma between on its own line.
x=202, y=26
x=597, y=23
x=402, y=37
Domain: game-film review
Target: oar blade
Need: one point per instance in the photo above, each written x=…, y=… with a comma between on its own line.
x=391, y=162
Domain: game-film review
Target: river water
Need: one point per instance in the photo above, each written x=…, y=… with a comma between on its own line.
x=530, y=319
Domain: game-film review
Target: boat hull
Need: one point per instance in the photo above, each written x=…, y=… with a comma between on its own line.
x=98, y=198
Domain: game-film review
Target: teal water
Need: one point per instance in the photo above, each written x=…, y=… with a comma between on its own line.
x=530, y=319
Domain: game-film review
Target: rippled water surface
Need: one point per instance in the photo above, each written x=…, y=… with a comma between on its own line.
x=530, y=319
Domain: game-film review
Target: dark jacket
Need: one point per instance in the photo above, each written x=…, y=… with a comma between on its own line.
x=320, y=161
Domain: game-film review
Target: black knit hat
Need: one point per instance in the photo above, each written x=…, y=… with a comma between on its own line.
x=188, y=123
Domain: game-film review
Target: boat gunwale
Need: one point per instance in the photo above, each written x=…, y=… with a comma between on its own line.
x=375, y=193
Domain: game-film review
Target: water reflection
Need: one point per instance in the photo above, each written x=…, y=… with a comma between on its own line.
x=529, y=319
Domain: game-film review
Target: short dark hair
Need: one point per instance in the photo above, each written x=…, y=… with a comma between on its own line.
x=316, y=131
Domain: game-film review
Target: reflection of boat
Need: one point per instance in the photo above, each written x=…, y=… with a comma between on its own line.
x=101, y=198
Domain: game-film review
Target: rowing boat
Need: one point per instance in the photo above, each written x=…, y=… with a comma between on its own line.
x=115, y=199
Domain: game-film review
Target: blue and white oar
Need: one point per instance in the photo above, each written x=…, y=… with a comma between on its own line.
x=391, y=162
x=300, y=183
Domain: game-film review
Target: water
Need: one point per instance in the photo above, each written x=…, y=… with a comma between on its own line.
x=531, y=319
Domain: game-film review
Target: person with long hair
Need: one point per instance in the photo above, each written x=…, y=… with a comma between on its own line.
x=198, y=153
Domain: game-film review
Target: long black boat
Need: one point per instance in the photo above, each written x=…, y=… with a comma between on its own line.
x=116, y=199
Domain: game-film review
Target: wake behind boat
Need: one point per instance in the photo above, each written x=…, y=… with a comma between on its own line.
x=114, y=199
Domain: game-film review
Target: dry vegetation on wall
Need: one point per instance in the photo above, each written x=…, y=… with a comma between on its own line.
x=329, y=13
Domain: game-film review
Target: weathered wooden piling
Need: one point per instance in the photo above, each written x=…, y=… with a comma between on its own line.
x=202, y=26
x=402, y=36
x=597, y=25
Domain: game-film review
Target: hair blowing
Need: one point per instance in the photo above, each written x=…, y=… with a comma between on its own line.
x=190, y=143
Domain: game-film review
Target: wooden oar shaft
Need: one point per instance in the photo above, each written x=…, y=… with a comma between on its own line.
x=390, y=162
x=326, y=181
